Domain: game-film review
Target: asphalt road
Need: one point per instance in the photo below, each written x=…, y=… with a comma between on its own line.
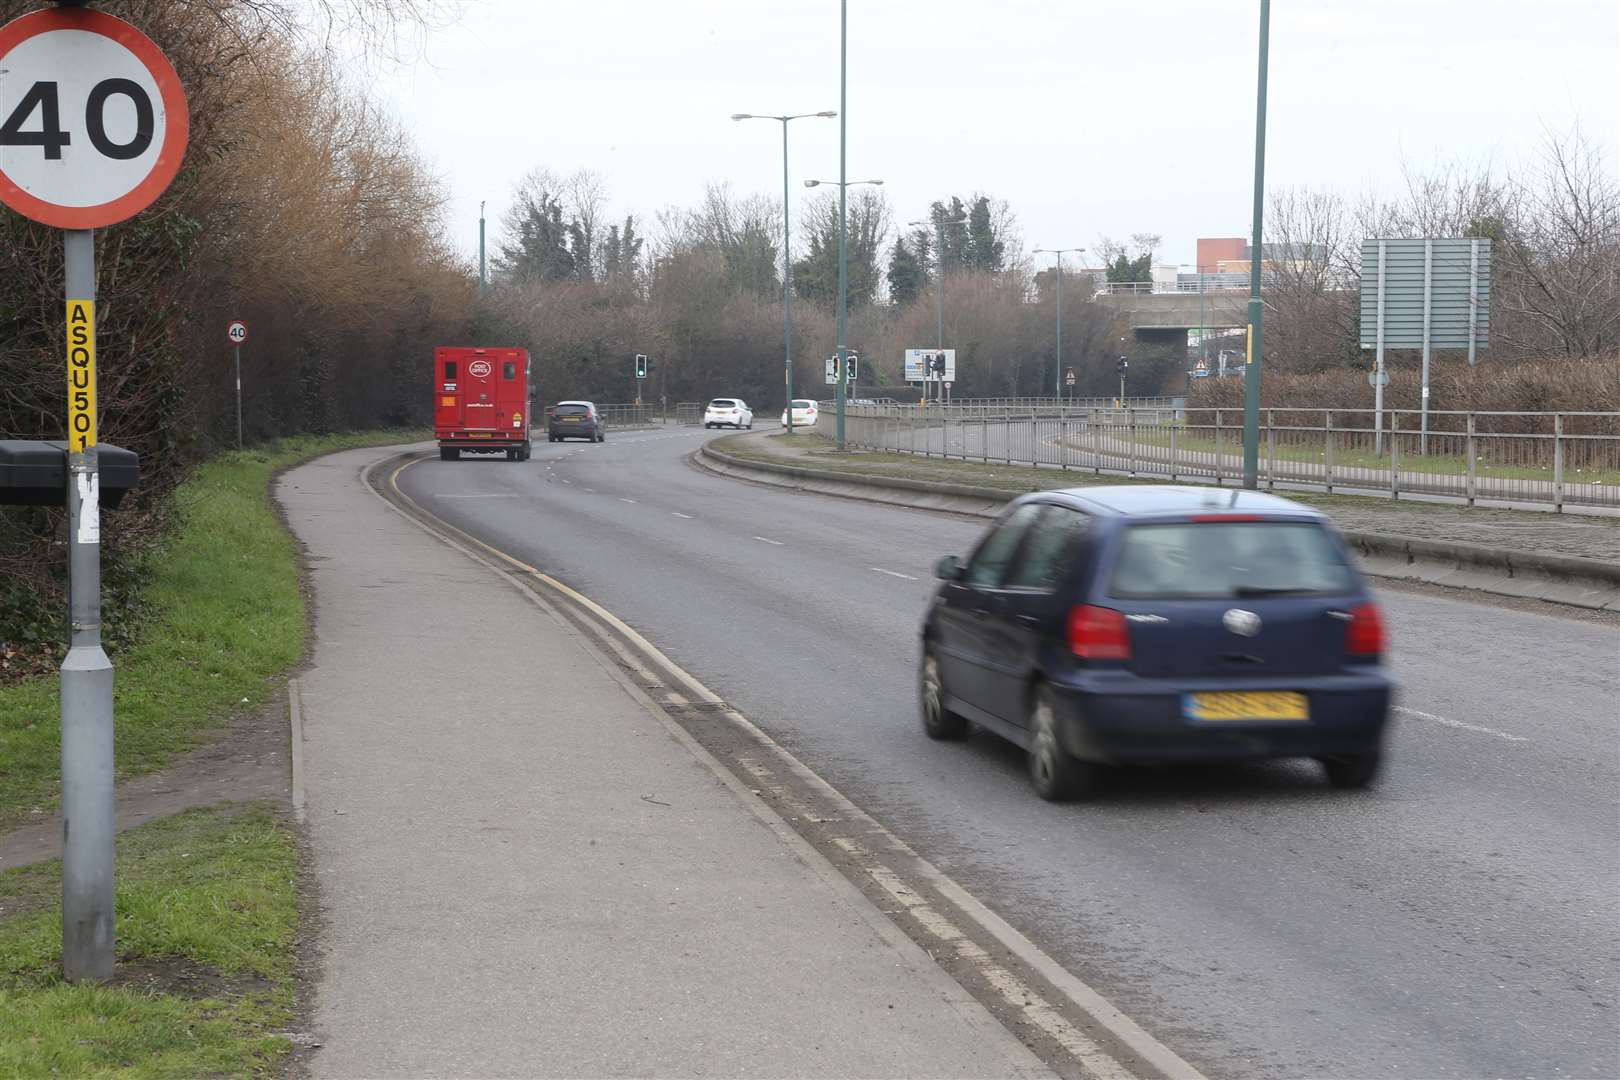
x=1461, y=920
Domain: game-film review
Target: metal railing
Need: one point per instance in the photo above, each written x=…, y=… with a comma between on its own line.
x=630, y=416
x=1026, y=408
x=689, y=413
x=1558, y=459
x=1223, y=283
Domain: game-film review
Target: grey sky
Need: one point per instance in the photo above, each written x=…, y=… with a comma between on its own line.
x=1089, y=117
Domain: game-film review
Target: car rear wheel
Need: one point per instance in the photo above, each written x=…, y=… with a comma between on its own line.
x=1056, y=774
x=938, y=722
x=448, y=453
x=1352, y=771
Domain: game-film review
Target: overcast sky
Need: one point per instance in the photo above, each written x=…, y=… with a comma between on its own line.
x=1090, y=117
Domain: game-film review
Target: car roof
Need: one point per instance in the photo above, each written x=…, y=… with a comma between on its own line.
x=577, y=402
x=724, y=399
x=1171, y=500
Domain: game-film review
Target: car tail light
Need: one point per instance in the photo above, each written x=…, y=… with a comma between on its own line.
x=1098, y=633
x=1364, y=636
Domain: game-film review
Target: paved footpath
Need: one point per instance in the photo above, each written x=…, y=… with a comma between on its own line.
x=522, y=872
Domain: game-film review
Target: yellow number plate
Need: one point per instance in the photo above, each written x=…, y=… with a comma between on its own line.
x=478, y=434
x=1250, y=705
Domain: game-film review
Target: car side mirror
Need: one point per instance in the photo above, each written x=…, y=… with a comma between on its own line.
x=949, y=568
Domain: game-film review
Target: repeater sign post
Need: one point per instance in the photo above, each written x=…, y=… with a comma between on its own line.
x=81, y=356
x=93, y=127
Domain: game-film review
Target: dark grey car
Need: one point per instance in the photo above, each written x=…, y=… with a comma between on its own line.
x=575, y=420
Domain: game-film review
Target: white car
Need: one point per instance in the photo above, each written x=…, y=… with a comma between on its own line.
x=804, y=413
x=728, y=412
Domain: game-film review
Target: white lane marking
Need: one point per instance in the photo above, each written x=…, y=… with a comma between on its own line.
x=568, y=481
x=1013, y=990
x=1459, y=724
x=891, y=573
x=768, y=540
x=591, y=490
x=677, y=513
x=623, y=499
x=440, y=495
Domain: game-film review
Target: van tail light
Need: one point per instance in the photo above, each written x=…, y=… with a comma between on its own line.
x=1098, y=633
x=1364, y=635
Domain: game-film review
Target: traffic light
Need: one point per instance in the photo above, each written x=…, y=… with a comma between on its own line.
x=854, y=360
x=936, y=364
x=1122, y=365
x=641, y=365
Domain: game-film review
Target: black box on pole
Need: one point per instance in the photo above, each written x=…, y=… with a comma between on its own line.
x=33, y=472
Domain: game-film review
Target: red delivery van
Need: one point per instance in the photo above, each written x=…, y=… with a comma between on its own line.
x=481, y=401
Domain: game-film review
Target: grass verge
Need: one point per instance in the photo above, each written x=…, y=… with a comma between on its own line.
x=225, y=614
x=207, y=917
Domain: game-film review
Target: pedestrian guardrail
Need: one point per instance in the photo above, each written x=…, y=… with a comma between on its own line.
x=1556, y=458
x=689, y=413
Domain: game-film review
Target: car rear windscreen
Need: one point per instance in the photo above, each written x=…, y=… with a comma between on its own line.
x=803, y=404
x=1215, y=559
x=572, y=410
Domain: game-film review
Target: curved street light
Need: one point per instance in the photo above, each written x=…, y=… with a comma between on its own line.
x=1057, y=376
x=787, y=249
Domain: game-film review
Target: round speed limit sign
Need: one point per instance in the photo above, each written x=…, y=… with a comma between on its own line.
x=93, y=121
x=237, y=332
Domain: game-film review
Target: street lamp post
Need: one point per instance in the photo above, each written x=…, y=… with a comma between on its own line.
x=787, y=255
x=1251, y=370
x=843, y=275
x=483, y=280
x=1057, y=376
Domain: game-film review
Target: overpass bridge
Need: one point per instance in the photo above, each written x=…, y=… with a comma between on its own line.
x=1162, y=314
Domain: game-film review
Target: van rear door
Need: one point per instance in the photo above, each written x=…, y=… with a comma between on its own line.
x=479, y=377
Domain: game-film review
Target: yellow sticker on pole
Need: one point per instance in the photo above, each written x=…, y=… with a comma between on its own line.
x=1250, y=357
x=81, y=342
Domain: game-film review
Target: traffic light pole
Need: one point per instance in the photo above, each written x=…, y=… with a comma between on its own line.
x=87, y=674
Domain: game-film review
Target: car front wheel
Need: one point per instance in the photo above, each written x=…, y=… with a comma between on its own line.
x=938, y=722
x=1056, y=774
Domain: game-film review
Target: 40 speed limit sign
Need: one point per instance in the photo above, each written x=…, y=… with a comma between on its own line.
x=93, y=120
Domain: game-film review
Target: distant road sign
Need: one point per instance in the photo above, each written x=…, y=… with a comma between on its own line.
x=93, y=121
x=1377, y=378
x=916, y=368
x=236, y=332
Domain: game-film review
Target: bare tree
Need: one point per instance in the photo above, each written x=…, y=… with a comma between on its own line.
x=1560, y=252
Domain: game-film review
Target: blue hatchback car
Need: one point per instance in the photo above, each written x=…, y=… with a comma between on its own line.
x=1151, y=624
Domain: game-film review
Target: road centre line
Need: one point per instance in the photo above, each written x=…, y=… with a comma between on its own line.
x=492, y=495
x=623, y=499
x=891, y=573
x=1459, y=724
x=677, y=513
x=768, y=540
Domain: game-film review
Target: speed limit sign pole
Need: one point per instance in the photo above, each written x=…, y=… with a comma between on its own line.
x=236, y=333
x=93, y=126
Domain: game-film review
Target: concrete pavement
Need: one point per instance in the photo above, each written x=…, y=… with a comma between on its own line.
x=522, y=871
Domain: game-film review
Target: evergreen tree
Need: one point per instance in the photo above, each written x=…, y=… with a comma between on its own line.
x=905, y=275
x=536, y=247
x=983, y=248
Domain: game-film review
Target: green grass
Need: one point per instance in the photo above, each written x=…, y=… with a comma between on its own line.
x=224, y=615
x=207, y=919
